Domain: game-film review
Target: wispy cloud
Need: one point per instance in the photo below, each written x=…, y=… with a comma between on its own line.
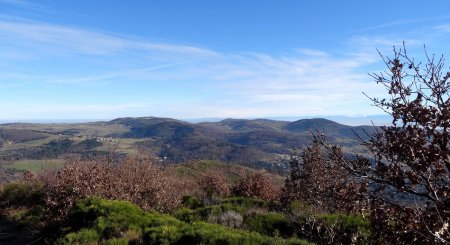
x=209, y=83
x=21, y=3
x=442, y=28
x=401, y=22
x=64, y=111
x=54, y=39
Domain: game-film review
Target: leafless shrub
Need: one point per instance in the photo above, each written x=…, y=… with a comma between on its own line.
x=410, y=170
x=316, y=179
x=231, y=219
x=136, y=179
x=212, y=184
x=256, y=185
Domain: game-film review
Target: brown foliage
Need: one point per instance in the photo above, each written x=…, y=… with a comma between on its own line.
x=256, y=185
x=213, y=183
x=410, y=171
x=317, y=180
x=137, y=180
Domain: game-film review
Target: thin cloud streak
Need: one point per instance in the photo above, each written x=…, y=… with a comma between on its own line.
x=66, y=40
x=307, y=82
x=21, y=3
x=109, y=76
x=400, y=23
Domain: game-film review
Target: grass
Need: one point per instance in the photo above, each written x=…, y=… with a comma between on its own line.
x=88, y=129
x=125, y=145
x=36, y=165
x=31, y=143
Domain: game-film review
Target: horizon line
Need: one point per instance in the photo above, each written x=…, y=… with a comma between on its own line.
x=343, y=119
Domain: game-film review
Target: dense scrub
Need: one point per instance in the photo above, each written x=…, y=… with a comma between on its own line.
x=137, y=180
x=256, y=185
x=93, y=220
x=60, y=209
x=266, y=218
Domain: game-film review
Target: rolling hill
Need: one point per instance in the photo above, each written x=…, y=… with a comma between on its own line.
x=258, y=143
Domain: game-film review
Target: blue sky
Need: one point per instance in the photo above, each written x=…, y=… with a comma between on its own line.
x=196, y=59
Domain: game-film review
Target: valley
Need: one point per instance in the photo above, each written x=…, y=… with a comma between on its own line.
x=259, y=143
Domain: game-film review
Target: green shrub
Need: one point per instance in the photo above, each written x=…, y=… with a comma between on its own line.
x=191, y=202
x=21, y=194
x=335, y=228
x=205, y=233
x=119, y=222
x=92, y=211
x=236, y=204
x=270, y=224
x=230, y=219
x=83, y=236
x=216, y=210
x=118, y=241
x=112, y=217
x=27, y=216
x=129, y=237
x=166, y=234
x=348, y=227
x=246, y=202
x=187, y=215
x=350, y=222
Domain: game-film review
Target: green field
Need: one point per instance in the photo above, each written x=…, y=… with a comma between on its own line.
x=89, y=129
x=124, y=145
x=36, y=165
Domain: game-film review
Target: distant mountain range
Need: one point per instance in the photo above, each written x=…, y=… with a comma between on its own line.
x=346, y=120
x=258, y=142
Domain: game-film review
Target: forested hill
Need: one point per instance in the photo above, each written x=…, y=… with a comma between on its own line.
x=259, y=143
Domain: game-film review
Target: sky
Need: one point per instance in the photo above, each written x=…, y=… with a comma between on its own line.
x=103, y=59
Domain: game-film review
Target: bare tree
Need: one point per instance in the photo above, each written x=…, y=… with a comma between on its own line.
x=316, y=179
x=410, y=169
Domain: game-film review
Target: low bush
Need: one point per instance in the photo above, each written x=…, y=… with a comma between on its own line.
x=346, y=228
x=316, y=225
x=23, y=193
x=32, y=216
x=335, y=228
x=230, y=219
x=188, y=215
x=112, y=217
x=246, y=202
x=191, y=202
x=213, y=186
x=205, y=233
x=237, y=204
x=224, y=213
x=22, y=203
x=217, y=210
x=94, y=220
x=83, y=236
x=137, y=180
x=271, y=224
x=256, y=185
x=119, y=241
